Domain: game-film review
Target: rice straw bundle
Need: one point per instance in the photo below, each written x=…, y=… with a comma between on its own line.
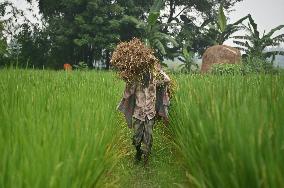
x=132, y=59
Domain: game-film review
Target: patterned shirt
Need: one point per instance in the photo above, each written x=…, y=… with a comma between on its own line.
x=145, y=102
x=145, y=98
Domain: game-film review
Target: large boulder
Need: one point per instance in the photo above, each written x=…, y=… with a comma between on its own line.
x=220, y=54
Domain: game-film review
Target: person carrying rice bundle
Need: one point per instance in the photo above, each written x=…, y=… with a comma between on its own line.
x=146, y=94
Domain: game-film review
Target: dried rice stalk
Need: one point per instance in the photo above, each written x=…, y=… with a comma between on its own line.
x=132, y=59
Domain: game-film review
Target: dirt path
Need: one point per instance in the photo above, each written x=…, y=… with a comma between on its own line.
x=163, y=169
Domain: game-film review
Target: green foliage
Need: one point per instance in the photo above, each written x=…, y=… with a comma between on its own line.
x=229, y=130
x=213, y=29
x=254, y=45
x=187, y=58
x=152, y=33
x=3, y=40
x=3, y=44
x=251, y=65
x=58, y=129
x=82, y=30
x=88, y=30
x=222, y=20
x=30, y=48
x=224, y=30
x=81, y=66
x=258, y=65
x=227, y=69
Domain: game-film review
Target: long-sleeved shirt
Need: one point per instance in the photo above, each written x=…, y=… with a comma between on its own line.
x=145, y=97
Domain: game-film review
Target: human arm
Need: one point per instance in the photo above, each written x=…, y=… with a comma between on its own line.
x=128, y=91
x=162, y=78
x=127, y=103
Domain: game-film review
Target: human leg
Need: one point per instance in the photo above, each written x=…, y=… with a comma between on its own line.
x=138, y=129
x=148, y=138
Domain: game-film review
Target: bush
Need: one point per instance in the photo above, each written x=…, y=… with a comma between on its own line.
x=251, y=65
x=227, y=69
x=81, y=66
x=259, y=65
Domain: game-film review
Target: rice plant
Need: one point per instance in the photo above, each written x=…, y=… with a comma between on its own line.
x=57, y=129
x=61, y=129
x=229, y=130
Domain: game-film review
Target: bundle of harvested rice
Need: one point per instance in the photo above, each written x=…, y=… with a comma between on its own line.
x=132, y=59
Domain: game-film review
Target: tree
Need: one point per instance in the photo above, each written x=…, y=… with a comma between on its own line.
x=150, y=30
x=153, y=35
x=80, y=30
x=205, y=9
x=202, y=32
x=224, y=30
x=180, y=25
x=23, y=46
x=187, y=58
x=3, y=44
x=219, y=30
x=254, y=45
x=30, y=47
x=3, y=39
x=88, y=30
x=98, y=34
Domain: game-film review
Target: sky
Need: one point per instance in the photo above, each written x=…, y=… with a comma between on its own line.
x=23, y=5
x=268, y=14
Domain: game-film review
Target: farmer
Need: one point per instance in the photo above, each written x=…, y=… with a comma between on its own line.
x=142, y=102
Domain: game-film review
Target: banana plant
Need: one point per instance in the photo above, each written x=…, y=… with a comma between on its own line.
x=152, y=30
x=187, y=58
x=224, y=30
x=254, y=44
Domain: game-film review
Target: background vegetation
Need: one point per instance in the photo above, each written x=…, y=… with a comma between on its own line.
x=77, y=31
x=61, y=128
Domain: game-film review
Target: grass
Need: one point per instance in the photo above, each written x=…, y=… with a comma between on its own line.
x=164, y=170
x=230, y=131
x=57, y=128
x=61, y=129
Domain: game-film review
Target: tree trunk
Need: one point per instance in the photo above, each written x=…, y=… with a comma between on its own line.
x=172, y=11
x=90, y=56
x=107, y=59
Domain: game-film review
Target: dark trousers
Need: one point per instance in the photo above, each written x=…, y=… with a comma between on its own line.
x=142, y=134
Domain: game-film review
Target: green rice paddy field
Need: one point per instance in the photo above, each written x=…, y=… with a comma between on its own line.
x=61, y=129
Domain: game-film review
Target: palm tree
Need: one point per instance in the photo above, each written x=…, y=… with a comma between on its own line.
x=254, y=45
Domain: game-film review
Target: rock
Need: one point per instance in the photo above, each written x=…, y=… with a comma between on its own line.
x=220, y=54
